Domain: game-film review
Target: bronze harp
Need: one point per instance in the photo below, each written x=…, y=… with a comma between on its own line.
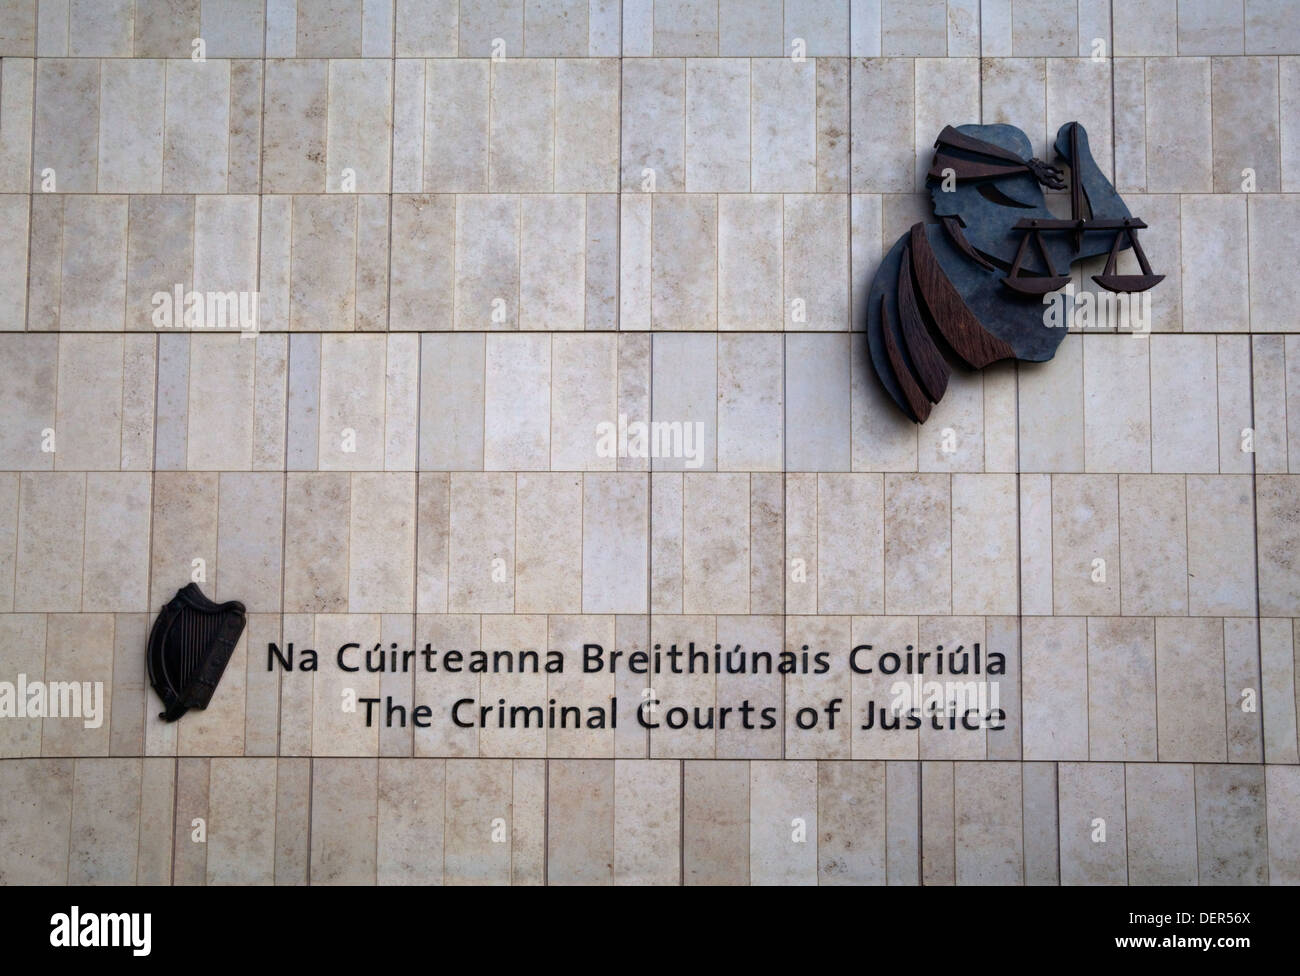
x=189, y=646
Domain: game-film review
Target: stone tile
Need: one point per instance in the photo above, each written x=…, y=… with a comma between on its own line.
x=358, y=126
x=522, y=126
x=783, y=822
x=783, y=125
x=482, y=543
x=1121, y=689
x=381, y=543
x=946, y=89
x=918, y=544
x=938, y=824
x=1273, y=289
x=1183, y=417
x=1189, y=674
x=816, y=262
x=1265, y=435
x=1043, y=29
x=157, y=806
x=222, y=384
x=1235, y=404
x=914, y=29
x=684, y=383
x=682, y=690
x=810, y=731
x=79, y=648
x=715, y=822
x=1289, y=101
x=548, y=540
x=262, y=687
x=1147, y=28
x=587, y=110
x=196, y=128
x=292, y=821
x=818, y=403
x=1153, y=545
x=1085, y=544
x=1277, y=505
x=750, y=268
x=614, y=543
x=410, y=821
x=528, y=854
x=882, y=438
x=666, y=542
x=478, y=807
x=1283, y=804
x=1247, y=144
x=13, y=253
x=1178, y=123
x=1092, y=823
x=1277, y=660
x=316, y=535
x=131, y=124
x=296, y=116
x=51, y=528
x=65, y=139
x=647, y=812
x=1241, y=679
x=241, y=821
x=116, y=560
x=18, y=36
x=231, y=28
x=344, y=821
x=903, y=859
x=94, y=264
x=517, y=393
x=750, y=407
x=24, y=634
x=1054, y=696
x=36, y=813
x=552, y=262
x=456, y=112
x=1220, y=546
x=851, y=818
x=1042, y=836
x=717, y=140
x=984, y=566
x=1130, y=125
x=851, y=542
x=427, y=27
x=105, y=821
x=833, y=115
x=684, y=234
x=580, y=839
x=487, y=262
x=1268, y=28
x=881, y=634
x=322, y=286
x=1117, y=403
x=1232, y=846
x=1160, y=805
x=988, y=818
x=654, y=125
x=801, y=542
x=88, y=416
x=1215, y=271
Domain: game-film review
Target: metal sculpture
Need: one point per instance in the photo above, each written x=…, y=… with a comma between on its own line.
x=189, y=646
x=970, y=288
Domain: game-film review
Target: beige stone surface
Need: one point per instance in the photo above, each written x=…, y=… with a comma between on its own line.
x=477, y=230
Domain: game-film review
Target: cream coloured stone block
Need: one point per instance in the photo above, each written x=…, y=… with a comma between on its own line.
x=1054, y=695
x=783, y=808
x=1189, y=675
